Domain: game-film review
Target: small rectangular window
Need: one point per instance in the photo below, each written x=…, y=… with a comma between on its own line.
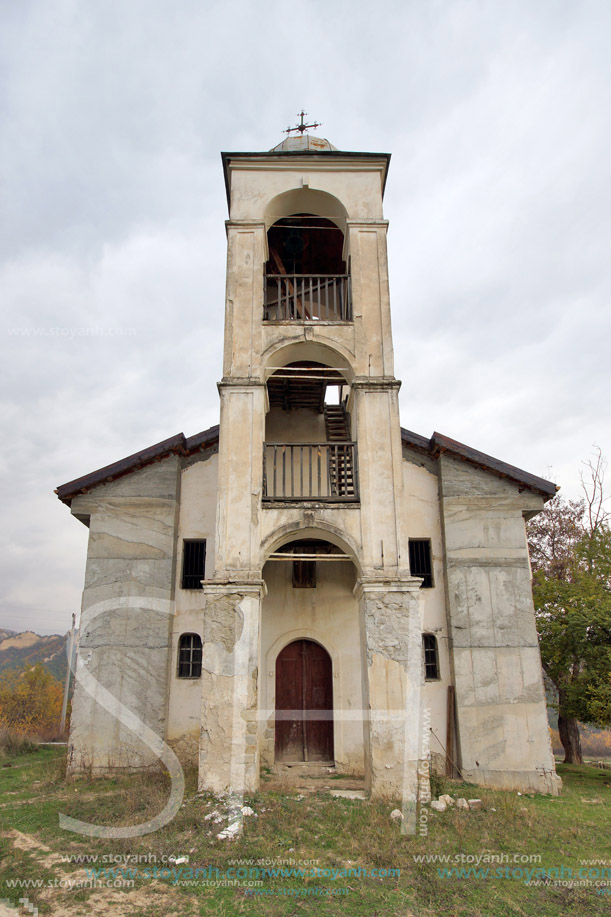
x=304, y=574
x=420, y=563
x=431, y=658
x=304, y=571
x=193, y=563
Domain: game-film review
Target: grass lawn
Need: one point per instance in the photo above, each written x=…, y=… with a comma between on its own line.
x=511, y=836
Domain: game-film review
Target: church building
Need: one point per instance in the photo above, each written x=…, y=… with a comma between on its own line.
x=309, y=584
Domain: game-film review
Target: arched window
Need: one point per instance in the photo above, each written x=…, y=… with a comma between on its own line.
x=189, y=656
x=431, y=657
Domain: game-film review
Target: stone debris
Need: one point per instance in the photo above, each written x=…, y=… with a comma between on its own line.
x=475, y=803
x=215, y=816
x=438, y=806
x=396, y=815
x=462, y=803
x=348, y=794
x=449, y=800
x=246, y=810
x=230, y=831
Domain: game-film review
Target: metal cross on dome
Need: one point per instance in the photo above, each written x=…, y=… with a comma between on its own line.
x=301, y=127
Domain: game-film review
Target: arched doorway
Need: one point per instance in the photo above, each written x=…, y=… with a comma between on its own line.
x=304, y=703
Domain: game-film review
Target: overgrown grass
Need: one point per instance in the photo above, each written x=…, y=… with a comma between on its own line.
x=316, y=831
x=15, y=743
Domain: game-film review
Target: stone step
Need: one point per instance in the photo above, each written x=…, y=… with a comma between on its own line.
x=312, y=778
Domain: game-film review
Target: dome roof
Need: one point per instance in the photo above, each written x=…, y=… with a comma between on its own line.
x=305, y=143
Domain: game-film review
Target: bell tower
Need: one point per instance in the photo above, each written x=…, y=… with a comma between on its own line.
x=310, y=457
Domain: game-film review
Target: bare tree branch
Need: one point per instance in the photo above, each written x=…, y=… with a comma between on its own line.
x=592, y=484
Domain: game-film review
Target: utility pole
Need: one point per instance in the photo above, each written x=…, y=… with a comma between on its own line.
x=70, y=650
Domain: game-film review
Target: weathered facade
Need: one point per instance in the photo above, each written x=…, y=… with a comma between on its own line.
x=310, y=583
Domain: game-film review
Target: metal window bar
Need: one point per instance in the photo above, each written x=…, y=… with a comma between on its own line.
x=190, y=656
x=420, y=563
x=307, y=297
x=310, y=471
x=193, y=564
x=431, y=659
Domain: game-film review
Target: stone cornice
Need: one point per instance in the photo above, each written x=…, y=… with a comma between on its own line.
x=375, y=384
x=239, y=382
x=374, y=585
x=245, y=224
x=226, y=585
x=367, y=224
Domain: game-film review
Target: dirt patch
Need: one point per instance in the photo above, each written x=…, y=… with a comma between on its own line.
x=108, y=902
x=44, y=855
x=103, y=902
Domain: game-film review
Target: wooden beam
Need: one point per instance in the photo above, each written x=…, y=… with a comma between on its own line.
x=303, y=312
x=450, y=732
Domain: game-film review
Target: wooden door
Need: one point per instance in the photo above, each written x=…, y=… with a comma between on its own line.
x=304, y=703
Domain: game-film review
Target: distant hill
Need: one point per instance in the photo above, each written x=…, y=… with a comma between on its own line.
x=20, y=651
x=6, y=633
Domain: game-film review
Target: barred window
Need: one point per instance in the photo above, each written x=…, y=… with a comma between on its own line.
x=431, y=657
x=420, y=563
x=193, y=563
x=189, y=656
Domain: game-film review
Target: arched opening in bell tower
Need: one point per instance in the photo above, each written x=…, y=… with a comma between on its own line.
x=306, y=274
x=309, y=452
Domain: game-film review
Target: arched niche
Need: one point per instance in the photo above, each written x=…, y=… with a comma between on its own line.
x=308, y=351
x=306, y=200
x=322, y=531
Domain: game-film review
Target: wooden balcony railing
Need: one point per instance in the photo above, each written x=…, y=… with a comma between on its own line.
x=307, y=297
x=310, y=471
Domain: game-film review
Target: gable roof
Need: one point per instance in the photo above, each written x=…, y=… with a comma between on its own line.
x=175, y=445
x=208, y=439
x=439, y=444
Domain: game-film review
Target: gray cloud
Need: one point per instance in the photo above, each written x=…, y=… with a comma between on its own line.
x=114, y=114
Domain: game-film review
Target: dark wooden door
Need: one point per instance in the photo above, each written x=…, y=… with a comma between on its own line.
x=304, y=703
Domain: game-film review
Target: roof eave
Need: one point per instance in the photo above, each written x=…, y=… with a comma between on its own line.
x=439, y=445
x=335, y=154
x=174, y=445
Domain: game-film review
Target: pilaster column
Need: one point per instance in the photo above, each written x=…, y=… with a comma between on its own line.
x=229, y=747
x=246, y=255
x=378, y=433
x=391, y=636
x=240, y=479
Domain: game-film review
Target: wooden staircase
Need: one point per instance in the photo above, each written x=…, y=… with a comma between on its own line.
x=336, y=423
x=341, y=462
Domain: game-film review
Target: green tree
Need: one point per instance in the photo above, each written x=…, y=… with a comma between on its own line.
x=570, y=546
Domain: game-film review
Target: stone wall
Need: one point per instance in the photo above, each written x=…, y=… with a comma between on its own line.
x=121, y=687
x=500, y=704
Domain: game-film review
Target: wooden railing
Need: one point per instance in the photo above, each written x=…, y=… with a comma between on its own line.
x=307, y=297
x=310, y=471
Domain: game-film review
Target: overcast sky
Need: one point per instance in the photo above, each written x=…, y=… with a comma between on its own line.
x=113, y=116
